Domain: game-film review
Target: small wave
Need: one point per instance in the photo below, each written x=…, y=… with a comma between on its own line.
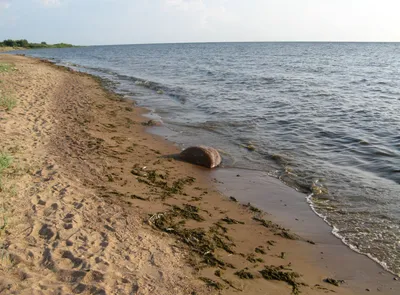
x=336, y=232
x=269, y=80
x=175, y=93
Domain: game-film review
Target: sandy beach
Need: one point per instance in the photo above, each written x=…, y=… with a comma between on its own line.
x=93, y=204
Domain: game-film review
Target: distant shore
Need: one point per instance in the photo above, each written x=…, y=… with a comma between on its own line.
x=21, y=44
x=4, y=49
x=93, y=204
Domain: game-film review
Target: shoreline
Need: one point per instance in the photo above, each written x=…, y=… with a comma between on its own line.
x=96, y=139
x=8, y=49
x=289, y=208
x=165, y=132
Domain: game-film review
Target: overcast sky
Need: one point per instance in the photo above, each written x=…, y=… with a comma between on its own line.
x=87, y=22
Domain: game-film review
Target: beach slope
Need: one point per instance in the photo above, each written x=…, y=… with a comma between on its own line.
x=92, y=204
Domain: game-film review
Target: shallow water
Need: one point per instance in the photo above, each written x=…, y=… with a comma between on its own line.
x=323, y=117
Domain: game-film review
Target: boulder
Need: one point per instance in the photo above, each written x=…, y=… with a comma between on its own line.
x=201, y=155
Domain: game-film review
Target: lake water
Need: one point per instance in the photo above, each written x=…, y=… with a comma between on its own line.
x=322, y=117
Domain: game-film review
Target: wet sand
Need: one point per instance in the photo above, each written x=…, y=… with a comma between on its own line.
x=94, y=205
x=290, y=209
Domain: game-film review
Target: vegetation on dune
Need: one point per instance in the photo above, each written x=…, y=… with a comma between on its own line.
x=23, y=43
x=7, y=102
x=6, y=68
x=5, y=161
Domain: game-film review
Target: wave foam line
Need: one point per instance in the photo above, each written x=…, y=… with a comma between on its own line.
x=335, y=232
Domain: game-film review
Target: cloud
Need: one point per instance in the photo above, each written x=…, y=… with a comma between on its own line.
x=4, y=4
x=207, y=12
x=49, y=2
x=186, y=5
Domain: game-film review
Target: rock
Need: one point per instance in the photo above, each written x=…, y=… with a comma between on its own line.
x=201, y=155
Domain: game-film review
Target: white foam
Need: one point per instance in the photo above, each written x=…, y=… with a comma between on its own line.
x=335, y=232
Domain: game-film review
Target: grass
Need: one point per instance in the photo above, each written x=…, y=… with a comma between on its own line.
x=7, y=102
x=6, y=68
x=5, y=161
x=6, y=191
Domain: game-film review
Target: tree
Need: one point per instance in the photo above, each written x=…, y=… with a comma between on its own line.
x=9, y=42
x=22, y=43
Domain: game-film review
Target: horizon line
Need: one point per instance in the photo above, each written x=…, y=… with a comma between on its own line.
x=217, y=42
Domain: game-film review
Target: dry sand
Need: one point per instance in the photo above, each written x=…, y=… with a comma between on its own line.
x=92, y=205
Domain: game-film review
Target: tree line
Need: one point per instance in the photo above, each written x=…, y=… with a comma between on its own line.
x=23, y=43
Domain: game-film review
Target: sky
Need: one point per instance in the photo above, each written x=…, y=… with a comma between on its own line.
x=97, y=22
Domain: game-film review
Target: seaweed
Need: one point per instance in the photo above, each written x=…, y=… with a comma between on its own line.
x=231, y=221
x=218, y=225
x=275, y=228
x=279, y=273
x=150, y=123
x=230, y=284
x=287, y=235
x=244, y=274
x=252, y=208
x=178, y=185
x=233, y=199
x=188, y=212
x=211, y=260
x=218, y=273
x=250, y=147
x=334, y=282
x=260, y=250
x=212, y=283
x=253, y=259
x=198, y=240
x=151, y=178
x=138, y=197
x=145, y=181
x=267, y=223
x=221, y=244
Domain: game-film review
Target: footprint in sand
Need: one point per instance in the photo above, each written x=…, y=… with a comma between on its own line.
x=46, y=232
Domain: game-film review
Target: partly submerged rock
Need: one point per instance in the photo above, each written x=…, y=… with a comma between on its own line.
x=201, y=155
